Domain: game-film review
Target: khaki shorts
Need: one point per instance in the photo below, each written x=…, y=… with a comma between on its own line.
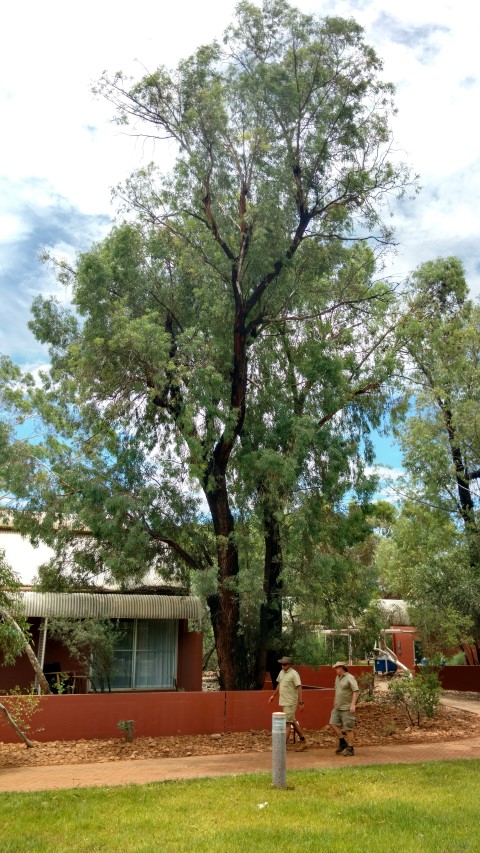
x=289, y=711
x=342, y=719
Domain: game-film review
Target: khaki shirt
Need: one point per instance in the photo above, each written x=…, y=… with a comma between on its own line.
x=345, y=687
x=288, y=684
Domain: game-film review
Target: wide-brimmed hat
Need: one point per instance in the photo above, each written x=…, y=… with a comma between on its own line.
x=285, y=660
x=340, y=663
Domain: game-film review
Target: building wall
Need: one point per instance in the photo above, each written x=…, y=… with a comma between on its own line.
x=403, y=644
x=189, y=662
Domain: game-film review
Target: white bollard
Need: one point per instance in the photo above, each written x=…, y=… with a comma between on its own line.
x=279, y=750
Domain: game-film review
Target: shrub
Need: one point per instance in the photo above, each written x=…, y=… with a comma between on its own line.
x=419, y=696
x=366, y=683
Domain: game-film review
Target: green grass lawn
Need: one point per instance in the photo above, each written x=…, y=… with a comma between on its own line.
x=409, y=808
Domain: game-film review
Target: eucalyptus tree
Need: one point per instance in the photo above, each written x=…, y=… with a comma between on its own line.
x=231, y=341
x=433, y=555
x=441, y=438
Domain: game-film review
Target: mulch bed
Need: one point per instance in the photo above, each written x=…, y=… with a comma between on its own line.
x=377, y=723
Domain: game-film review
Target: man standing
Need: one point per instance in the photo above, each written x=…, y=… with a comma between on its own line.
x=289, y=690
x=342, y=719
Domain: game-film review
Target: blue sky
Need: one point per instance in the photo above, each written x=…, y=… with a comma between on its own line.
x=60, y=154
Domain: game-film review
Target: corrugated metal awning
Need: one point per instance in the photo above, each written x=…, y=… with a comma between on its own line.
x=85, y=605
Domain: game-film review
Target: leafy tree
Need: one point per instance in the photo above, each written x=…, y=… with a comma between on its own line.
x=433, y=558
x=90, y=642
x=230, y=341
x=14, y=638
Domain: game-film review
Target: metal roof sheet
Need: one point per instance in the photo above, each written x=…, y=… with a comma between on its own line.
x=84, y=605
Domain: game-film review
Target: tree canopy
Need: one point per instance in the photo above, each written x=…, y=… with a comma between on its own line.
x=229, y=341
x=432, y=557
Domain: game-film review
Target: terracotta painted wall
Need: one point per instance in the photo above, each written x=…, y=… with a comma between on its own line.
x=189, y=663
x=320, y=676
x=71, y=717
x=460, y=678
x=403, y=644
x=251, y=710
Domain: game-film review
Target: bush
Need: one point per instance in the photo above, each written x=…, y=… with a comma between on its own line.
x=418, y=696
x=366, y=683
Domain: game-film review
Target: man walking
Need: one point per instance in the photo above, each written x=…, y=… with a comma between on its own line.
x=343, y=719
x=289, y=690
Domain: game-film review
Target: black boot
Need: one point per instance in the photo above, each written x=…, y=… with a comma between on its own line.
x=342, y=744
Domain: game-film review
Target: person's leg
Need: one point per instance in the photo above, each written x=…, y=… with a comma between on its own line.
x=289, y=711
x=336, y=724
x=298, y=729
x=349, y=723
x=303, y=743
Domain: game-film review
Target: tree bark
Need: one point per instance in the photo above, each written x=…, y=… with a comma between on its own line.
x=4, y=614
x=224, y=606
x=270, y=628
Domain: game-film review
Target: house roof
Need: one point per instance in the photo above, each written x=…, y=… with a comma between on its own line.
x=85, y=605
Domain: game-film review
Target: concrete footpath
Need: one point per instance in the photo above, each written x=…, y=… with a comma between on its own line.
x=201, y=766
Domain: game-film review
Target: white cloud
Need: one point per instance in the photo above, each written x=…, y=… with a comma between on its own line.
x=60, y=154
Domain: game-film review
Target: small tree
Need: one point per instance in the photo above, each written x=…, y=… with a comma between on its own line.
x=419, y=696
x=90, y=642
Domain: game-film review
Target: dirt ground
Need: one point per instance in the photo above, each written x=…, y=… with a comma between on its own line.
x=377, y=723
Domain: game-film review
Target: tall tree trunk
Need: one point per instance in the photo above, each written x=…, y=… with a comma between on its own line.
x=224, y=606
x=270, y=628
x=4, y=614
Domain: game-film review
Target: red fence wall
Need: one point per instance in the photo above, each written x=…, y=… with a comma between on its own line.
x=73, y=717
x=320, y=676
x=460, y=678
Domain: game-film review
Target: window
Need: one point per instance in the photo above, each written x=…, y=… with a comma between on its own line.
x=145, y=655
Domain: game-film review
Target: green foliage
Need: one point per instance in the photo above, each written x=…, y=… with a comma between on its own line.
x=366, y=683
x=128, y=727
x=433, y=558
x=22, y=707
x=12, y=641
x=456, y=660
x=229, y=343
x=90, y=642
x=418, y=696
x=308, y=649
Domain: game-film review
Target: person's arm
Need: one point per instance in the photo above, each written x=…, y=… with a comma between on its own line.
x=300, y=697
x=272, y=697
x=354, y=701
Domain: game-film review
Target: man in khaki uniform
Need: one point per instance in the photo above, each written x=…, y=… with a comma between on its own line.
x=342, y=719
x=289, y=690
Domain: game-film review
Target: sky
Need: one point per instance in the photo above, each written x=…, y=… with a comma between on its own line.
x=60, y=153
